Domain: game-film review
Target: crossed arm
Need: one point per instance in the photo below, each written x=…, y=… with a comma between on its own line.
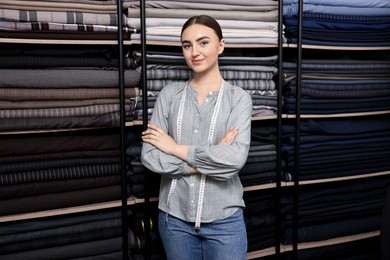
x=165, y=143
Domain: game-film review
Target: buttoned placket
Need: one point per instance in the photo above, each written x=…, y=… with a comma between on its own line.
x=199, y=203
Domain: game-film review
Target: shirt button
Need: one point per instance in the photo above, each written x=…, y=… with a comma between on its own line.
x=192, y=185
x=195, y=131
x=207, y=100
x=210, y=93
x=192, y=201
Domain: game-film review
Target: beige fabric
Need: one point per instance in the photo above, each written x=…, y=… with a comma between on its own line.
x=271, y=16
x=257, y=7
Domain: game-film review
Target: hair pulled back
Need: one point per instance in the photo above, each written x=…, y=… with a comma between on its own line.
x=205, y=20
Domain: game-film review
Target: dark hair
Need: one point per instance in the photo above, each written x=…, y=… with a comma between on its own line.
x=206, y=21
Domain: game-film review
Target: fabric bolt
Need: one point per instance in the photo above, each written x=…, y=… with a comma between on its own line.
x=342, y=125
x=92, y=110
x=36, y=94
x=116, y=255
x=334, y=65
x=37, y=188
x=342, y=105
x=106, y=120
x=357, y=3
x=95, y=140
x=60, y=155
x=333, y=230
x=155, y=71
x=93, y=78
x=355, y=250
x=381, y=9
x=60, y=200
x=227, y=33
x=69, y=172
x=177, y=22
x=44, y=60
x=58, y=27
x=315, y=93
x=63, y=239
x=38, y=224
x=60, y=231
x=90, y=248
x=10, y=105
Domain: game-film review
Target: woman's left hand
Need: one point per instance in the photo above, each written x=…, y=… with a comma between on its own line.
x=155, y=136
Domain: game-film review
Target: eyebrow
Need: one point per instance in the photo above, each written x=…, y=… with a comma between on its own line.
x=197, y=40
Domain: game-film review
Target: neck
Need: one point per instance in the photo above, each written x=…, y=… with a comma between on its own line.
x=209, y=82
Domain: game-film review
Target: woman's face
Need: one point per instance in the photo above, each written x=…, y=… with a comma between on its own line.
x=201, y=48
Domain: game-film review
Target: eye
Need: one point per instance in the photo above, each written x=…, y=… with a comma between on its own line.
x=204, y=43
x=186, y=46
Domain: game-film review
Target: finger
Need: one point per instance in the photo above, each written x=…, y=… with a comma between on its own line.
x=153, y=127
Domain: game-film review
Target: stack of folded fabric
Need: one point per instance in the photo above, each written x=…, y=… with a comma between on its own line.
x=365, y=248
x=135, y=170
x=61, y=87
x=340, y=85
x=58, y=170
x=338, y=147
x=242, y=22
x=65, y=19
x=92, y=235
x=260, y=167
x=332, y=22
x=334, y=210
x=260, y=219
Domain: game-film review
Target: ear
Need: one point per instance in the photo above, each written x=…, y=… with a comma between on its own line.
x=221, y=46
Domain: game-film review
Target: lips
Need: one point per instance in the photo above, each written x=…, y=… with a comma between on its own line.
x=196, y=62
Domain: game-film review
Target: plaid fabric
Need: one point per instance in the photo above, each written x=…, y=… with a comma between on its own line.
x=58, y=17
x=59, y=112
x=34, y=94
x=226, y=74
x=71, y=172
x=44, y=26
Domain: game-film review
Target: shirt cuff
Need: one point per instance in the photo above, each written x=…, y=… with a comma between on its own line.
x=191, y=155
x=186, y=168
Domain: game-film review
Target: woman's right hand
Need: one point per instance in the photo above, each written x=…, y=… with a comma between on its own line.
x=229, y=136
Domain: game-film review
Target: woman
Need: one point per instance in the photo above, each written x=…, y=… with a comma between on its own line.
x=198, y=140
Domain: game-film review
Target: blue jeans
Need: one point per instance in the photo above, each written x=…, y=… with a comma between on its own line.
x=224, y=239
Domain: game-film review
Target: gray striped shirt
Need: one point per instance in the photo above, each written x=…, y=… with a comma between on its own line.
x=220, y=163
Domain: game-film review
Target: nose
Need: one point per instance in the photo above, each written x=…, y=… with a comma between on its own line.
x=194, y=51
